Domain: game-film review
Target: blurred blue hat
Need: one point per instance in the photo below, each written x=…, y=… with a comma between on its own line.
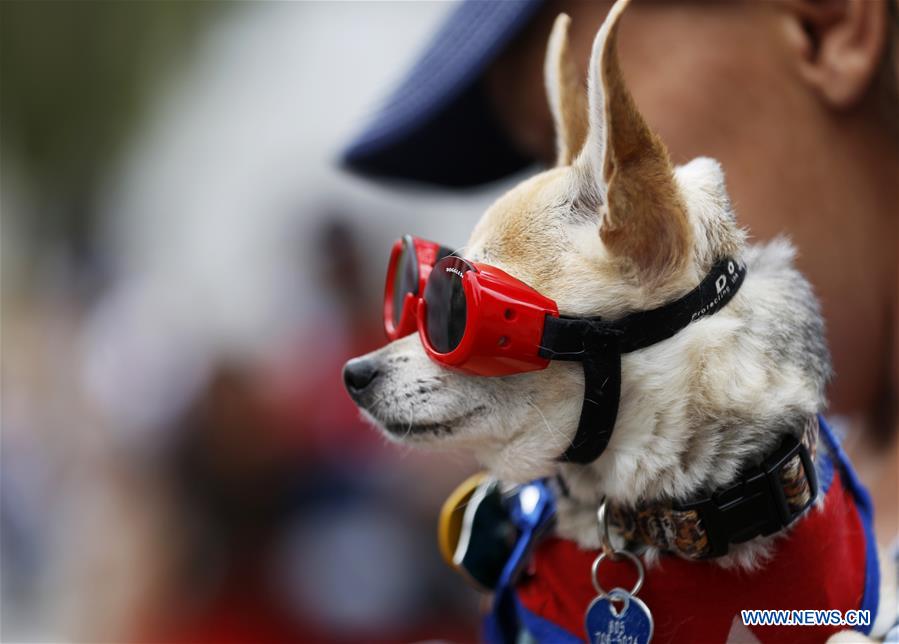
x=437, y=126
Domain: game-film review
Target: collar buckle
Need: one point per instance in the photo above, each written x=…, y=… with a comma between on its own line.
x=756, y=505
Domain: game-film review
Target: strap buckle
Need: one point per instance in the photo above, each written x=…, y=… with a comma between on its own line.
x=756, y=505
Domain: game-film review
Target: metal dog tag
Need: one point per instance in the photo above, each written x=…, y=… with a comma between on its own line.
x=608, y=625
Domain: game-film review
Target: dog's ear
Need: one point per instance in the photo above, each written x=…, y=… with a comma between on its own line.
x=629, y=172
x=566, y=93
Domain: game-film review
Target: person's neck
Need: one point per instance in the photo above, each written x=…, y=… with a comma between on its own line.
x=874, y=428
x=874, y=190
x=843, y=195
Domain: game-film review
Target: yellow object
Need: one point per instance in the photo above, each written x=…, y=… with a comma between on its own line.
x=449, y=526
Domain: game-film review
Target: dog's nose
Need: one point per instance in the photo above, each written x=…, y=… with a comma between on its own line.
x=358, y=374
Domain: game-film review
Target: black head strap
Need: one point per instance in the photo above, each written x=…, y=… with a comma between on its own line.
x=598, y=344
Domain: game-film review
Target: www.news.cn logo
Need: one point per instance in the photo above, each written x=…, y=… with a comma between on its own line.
x=805, y=618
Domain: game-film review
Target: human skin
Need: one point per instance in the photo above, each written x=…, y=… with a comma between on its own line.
x=786, y=95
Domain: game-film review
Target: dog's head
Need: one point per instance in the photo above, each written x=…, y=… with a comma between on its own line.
x=613, y=228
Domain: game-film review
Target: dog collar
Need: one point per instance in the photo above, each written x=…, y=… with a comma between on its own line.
x=766, y=498
x=598, y=345
x=828, y=560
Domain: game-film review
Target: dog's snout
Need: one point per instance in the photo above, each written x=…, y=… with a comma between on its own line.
x=358, y=374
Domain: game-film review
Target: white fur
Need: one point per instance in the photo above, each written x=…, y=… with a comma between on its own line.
x=672, y=392
x=693, y=409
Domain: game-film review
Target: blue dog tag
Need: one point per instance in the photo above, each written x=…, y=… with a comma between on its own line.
x=606, y=624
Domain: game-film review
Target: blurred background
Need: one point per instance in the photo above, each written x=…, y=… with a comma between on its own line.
x=184, y=272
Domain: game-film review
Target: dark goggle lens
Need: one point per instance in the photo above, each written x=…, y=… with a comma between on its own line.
x=405, y=279
x=446, y=305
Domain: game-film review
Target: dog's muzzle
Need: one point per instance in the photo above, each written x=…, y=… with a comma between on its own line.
x=475, y=318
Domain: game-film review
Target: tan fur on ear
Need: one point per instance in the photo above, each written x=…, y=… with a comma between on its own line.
x=566, y=92
x=646, y=219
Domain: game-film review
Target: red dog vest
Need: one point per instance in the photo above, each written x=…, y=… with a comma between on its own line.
x=827, y=561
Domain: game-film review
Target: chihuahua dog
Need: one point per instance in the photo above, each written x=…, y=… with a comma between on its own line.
x=612, y=229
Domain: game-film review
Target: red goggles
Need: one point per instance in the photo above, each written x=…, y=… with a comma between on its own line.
x=470, y=316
